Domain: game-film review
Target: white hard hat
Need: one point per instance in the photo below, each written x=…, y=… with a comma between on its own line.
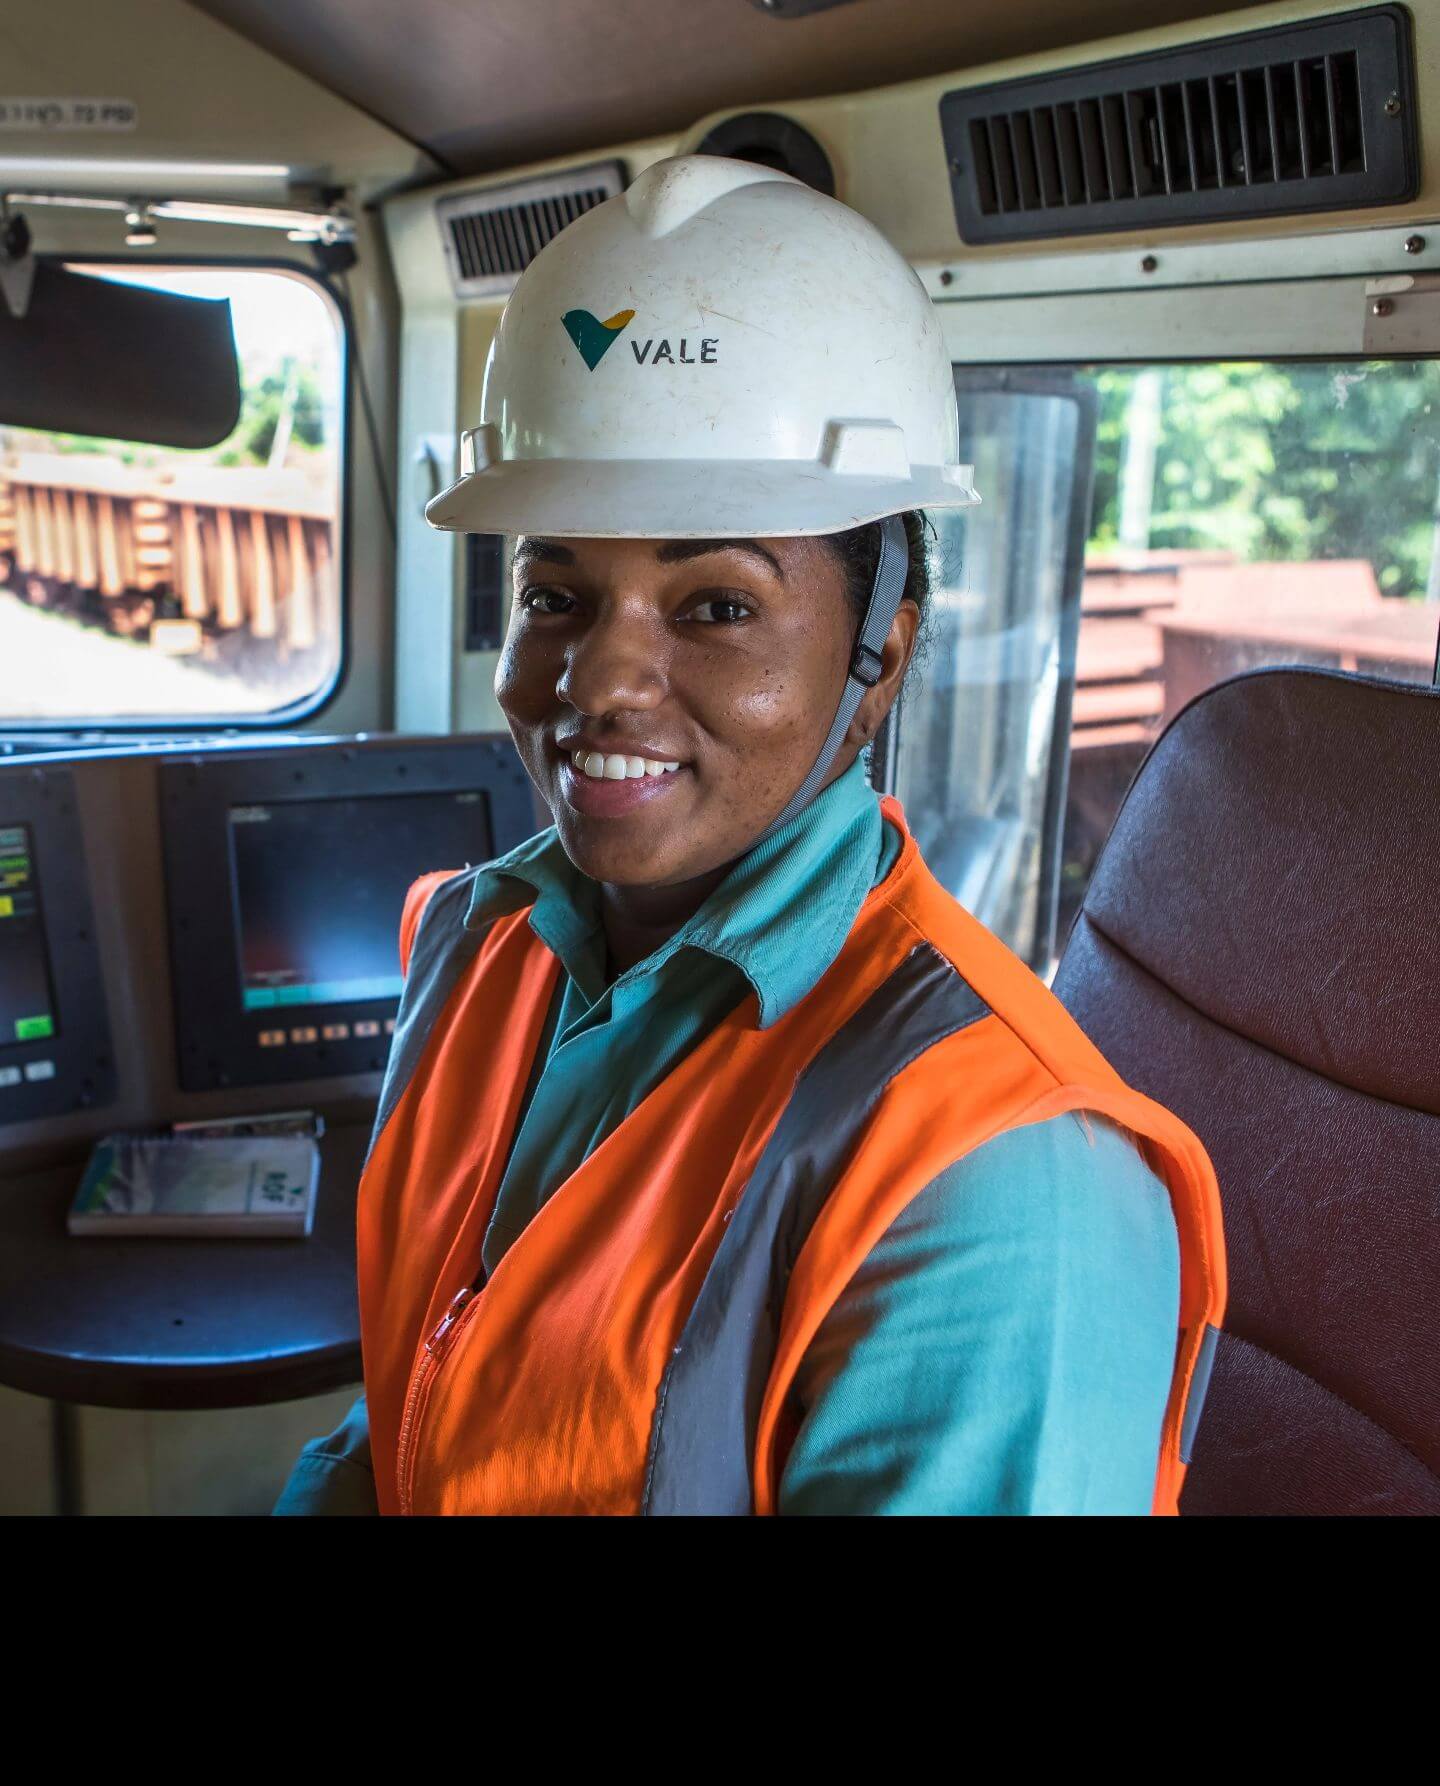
x=717, y=351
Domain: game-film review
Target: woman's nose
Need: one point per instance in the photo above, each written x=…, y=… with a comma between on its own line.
x=616, y=664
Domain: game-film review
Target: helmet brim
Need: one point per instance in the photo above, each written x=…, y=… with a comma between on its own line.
x=684, y=499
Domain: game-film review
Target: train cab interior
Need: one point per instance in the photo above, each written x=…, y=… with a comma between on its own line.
x=1175, y=737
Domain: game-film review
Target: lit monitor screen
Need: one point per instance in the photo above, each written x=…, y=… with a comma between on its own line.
x=320, y=885
x=27, y=1008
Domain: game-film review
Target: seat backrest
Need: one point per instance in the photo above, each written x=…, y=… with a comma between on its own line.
x=1259, y=950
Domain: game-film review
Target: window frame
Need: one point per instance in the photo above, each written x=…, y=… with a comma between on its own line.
x=1281, y=301
x=1067, y=308
x=1172, y=325
x=1043, y=382
x=64, y=731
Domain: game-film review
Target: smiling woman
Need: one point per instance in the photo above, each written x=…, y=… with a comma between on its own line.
x=722, y=658
x=724, y=1164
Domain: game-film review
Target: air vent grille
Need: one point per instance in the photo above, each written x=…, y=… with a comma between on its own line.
x=1316, y=117
x=491, y=236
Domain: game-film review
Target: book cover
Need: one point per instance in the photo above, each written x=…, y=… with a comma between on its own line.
x=209, y=1187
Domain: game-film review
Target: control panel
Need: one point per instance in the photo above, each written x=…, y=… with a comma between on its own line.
x=285, y=877
x=55, y=1049
x=182, y=931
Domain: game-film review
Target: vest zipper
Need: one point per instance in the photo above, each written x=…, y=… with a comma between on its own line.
x=419, y=1394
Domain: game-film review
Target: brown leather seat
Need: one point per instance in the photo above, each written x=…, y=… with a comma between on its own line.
x=1259, y=949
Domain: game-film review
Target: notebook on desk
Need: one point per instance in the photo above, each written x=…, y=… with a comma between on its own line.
x=202, y=1186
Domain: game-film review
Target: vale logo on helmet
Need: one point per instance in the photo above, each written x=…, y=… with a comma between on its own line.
x=595, y=338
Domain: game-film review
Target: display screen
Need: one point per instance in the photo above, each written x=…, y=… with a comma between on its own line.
x=27, y=1009
x=320, y=885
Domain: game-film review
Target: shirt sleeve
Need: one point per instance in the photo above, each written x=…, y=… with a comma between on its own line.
x=1007, y=1347
x=333, y=1477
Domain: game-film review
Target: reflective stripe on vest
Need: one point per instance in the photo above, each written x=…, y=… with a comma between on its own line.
x=702, y=1455
x=636, y=1348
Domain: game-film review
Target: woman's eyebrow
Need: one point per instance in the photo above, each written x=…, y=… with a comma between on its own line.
x=531, y=549
x=677, y=551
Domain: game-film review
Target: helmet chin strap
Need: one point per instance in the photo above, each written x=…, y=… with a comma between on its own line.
x=891, y=572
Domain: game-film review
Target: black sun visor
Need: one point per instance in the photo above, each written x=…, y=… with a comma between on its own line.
x=88, y=355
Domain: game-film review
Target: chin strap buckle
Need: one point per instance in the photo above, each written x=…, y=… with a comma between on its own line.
x=866, y=665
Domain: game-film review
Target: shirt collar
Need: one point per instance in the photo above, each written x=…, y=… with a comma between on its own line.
x=780, y=916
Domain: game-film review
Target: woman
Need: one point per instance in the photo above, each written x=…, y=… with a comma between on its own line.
x=723, y=1163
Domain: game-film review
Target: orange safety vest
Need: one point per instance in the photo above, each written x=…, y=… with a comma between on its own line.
x=635, y=1349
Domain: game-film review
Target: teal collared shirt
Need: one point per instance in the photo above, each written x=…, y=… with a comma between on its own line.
x=1005, y=1348
x=772, y=928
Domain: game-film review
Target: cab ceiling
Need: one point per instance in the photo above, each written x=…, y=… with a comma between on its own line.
x=487, y=84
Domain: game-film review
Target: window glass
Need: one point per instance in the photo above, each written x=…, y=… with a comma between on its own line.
x=141, y=582
x=1245, y=515
x=979, y=748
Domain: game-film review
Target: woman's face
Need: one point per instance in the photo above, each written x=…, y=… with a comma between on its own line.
x=723, y=660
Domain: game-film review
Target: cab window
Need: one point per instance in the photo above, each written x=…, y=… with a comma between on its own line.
x=141, y=583
x=1244, y=514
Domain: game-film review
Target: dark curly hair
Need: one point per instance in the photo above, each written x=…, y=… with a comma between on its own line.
x=858, y=551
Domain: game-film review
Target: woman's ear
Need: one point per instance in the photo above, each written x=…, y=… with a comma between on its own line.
x=895, y=655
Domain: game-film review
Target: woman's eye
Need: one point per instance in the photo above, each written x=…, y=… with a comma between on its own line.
x=721, y=610
x=546, y=601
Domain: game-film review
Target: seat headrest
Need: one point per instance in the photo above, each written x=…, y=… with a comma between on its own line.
x=1266, y=816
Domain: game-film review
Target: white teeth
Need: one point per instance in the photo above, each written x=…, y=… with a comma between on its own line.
x=600, y=767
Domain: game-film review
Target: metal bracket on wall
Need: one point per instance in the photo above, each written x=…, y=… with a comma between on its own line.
x=1402, y=314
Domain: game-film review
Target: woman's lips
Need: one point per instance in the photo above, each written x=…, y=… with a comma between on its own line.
x=614, y=799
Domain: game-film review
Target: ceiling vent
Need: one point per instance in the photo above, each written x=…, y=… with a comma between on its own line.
x=493, y=234
x=1317, y=117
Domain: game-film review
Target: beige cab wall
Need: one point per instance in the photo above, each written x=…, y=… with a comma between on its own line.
x=439, y=686
x=886, y=149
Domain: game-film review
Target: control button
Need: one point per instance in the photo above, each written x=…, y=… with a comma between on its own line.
x=389, y=1026
x=367, y=1027
x=271, y=1038
x=336, y=1032
x=9, y=1075
x=39, y=1069
x=302, y=1035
